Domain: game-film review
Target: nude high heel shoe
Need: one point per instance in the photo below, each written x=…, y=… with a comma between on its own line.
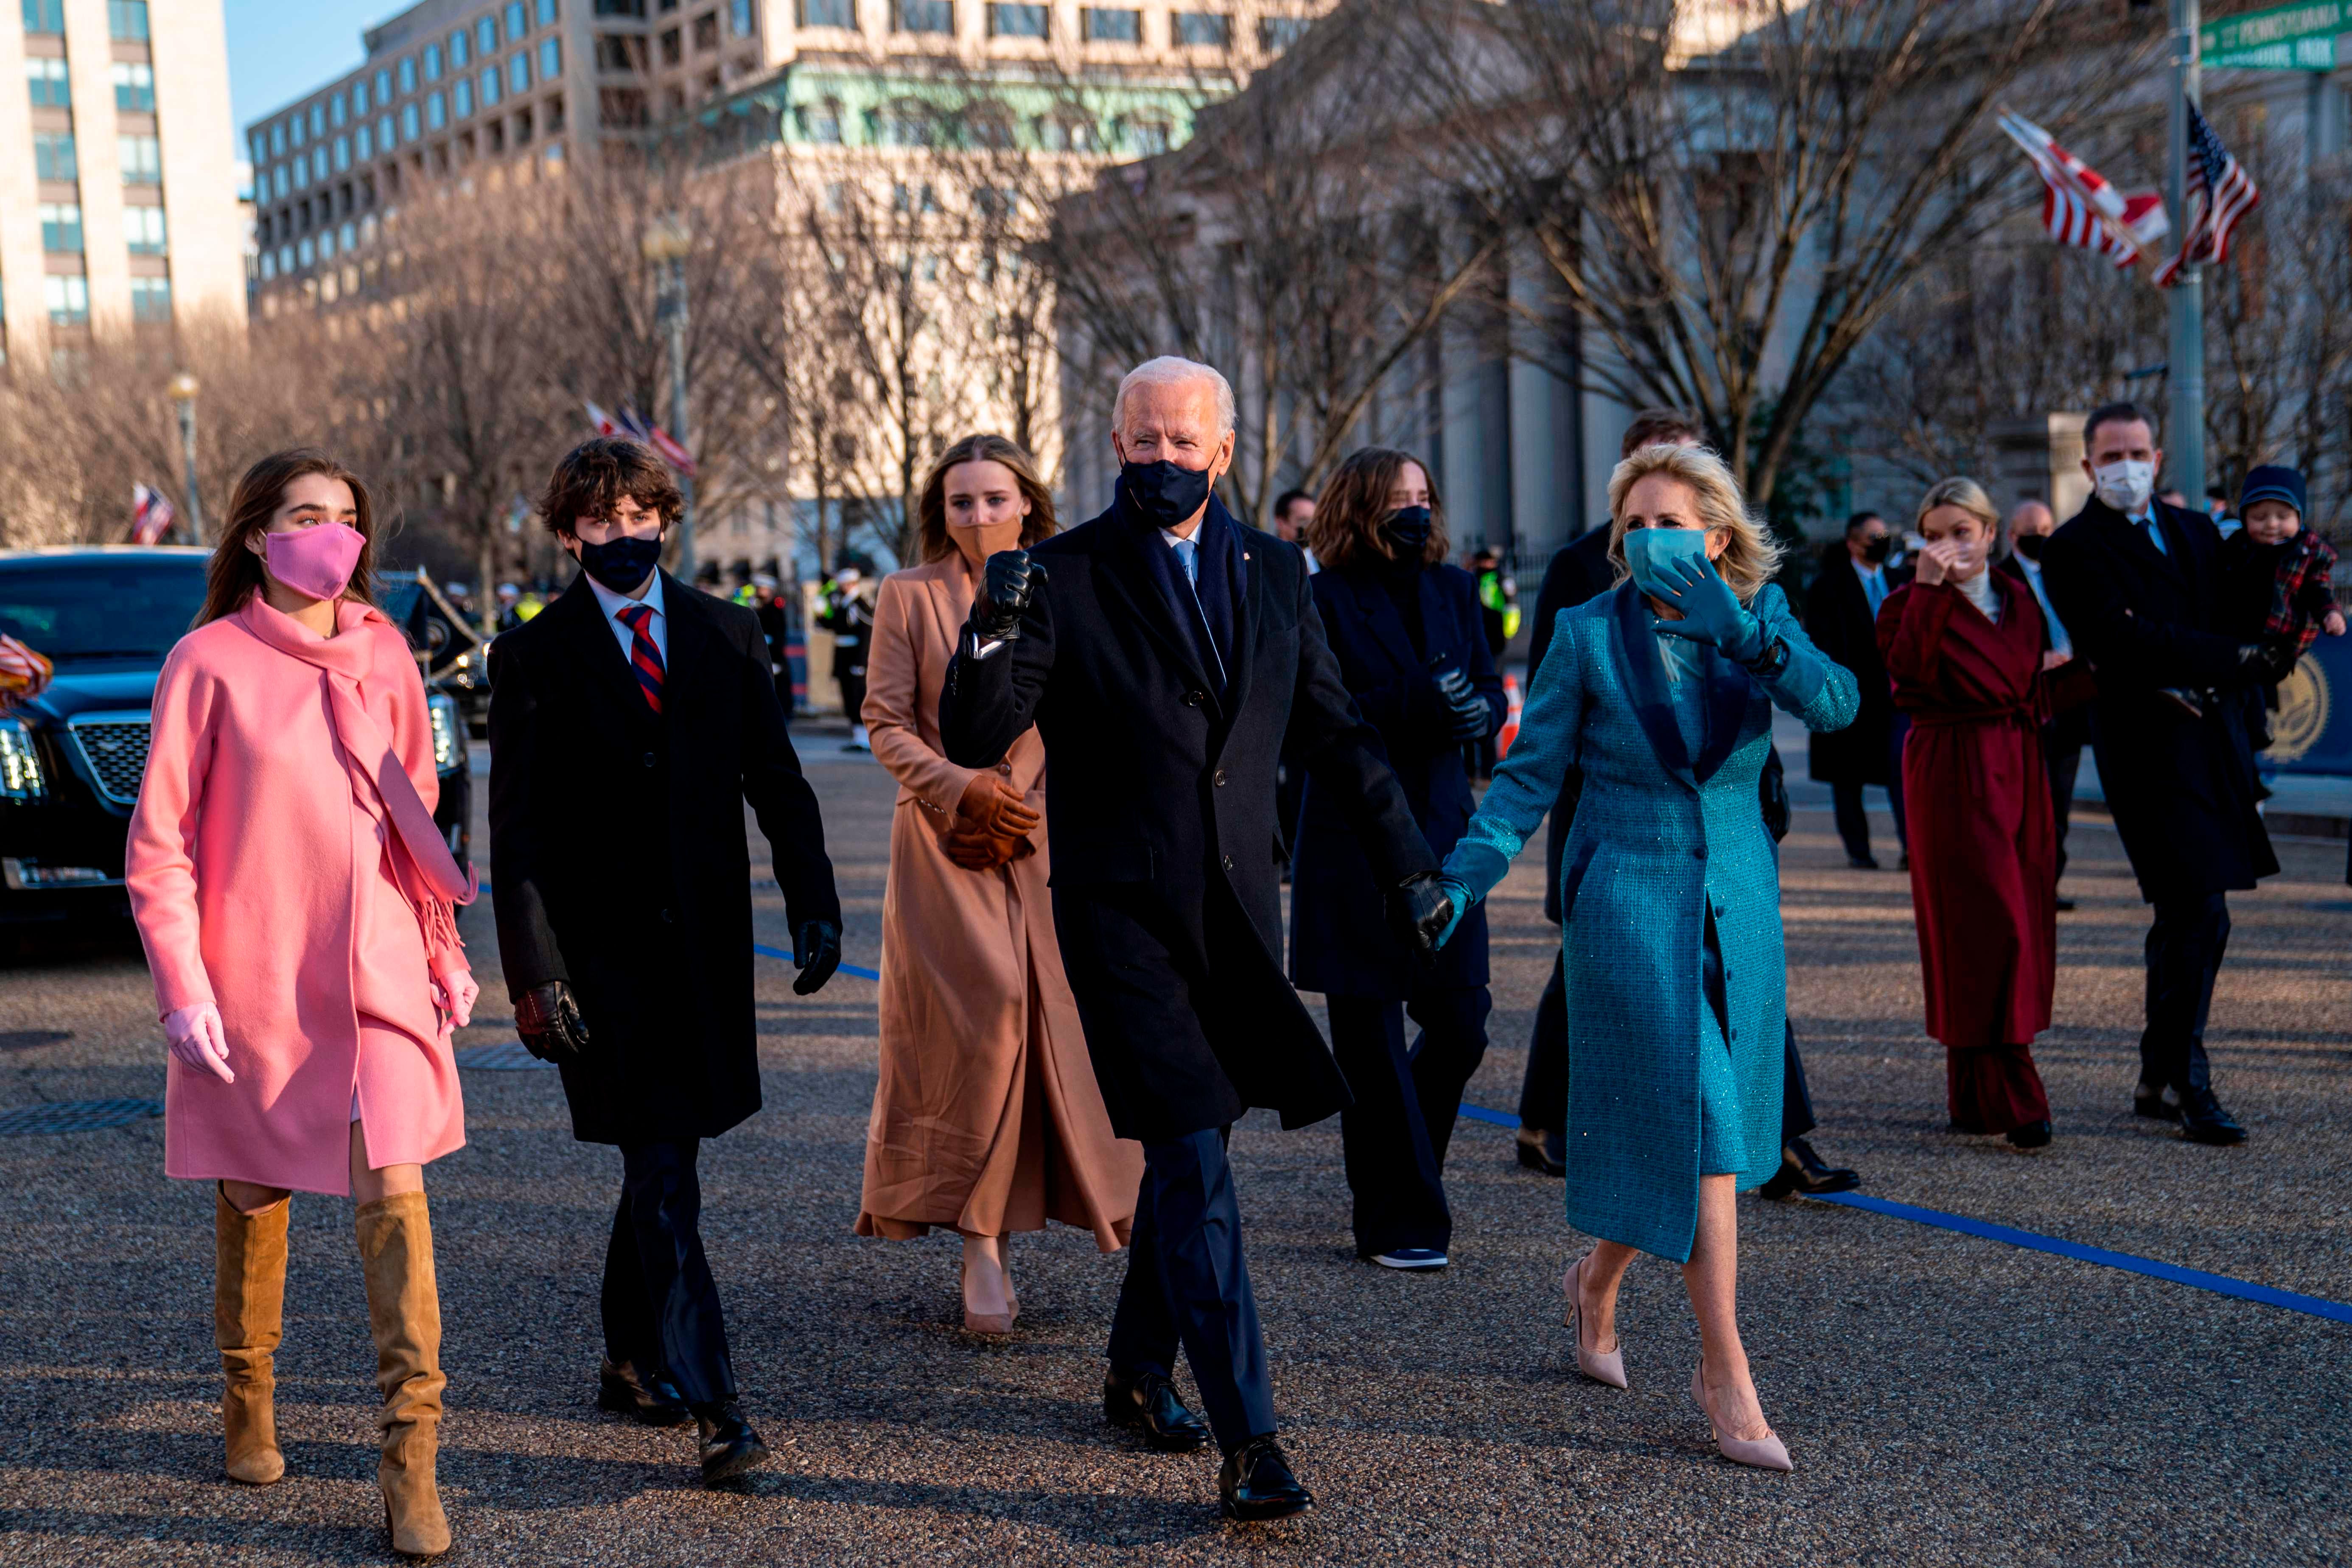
x=1767, y=1453
x=1601, y=1366
x=988, y=1323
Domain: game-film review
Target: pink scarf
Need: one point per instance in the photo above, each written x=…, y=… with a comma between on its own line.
x=422, y=866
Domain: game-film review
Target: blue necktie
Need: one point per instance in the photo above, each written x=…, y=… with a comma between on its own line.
x=2155, y=533
x=1873, y=588
x=1188, y=557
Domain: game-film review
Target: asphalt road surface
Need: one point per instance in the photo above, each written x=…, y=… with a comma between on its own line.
x=1946, y=1399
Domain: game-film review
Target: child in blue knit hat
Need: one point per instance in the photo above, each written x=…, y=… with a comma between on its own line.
x=2276, y=577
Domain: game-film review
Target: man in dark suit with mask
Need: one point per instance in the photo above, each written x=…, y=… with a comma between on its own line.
x=1165, y=651
x=2134, y=579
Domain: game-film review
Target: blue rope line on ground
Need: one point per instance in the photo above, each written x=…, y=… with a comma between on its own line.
x=2031, y=1241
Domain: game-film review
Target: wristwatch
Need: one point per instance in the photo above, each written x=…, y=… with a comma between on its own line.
x=1771, y=661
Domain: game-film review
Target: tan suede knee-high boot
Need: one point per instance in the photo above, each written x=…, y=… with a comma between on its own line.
x=248, y=1319
x=395, y=1241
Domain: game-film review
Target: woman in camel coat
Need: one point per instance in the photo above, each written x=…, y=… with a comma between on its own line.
x=296, y=903
x=987, y=1118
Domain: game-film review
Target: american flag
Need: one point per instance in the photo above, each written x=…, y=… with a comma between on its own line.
x=150, y=515
x=2229, y=195
x=2078, y=205
x=659, y=439
x=605, y=423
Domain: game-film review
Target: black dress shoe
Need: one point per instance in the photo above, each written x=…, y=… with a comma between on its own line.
x=2202, y=1120
x=2156, y=1102
x=625, y=1389
x=729, y=1446
x=2065, y=905
x=1147, y=1402
x=1802, y=1174
x=2033, y=1135
x=1546, y=1153
x=1256, y=1482
x=1861, y=862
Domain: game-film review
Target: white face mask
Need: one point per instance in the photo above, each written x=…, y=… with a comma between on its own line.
x=2125, y=486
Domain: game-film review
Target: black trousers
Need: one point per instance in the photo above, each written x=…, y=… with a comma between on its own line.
x=1543, y=1096
x=1396, y=1133
x=660, y=1304
x=2185, y=945
x=853, y=695
x=2063, y=740
x=1187, y=1284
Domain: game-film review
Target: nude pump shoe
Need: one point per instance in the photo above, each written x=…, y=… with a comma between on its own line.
x=1601, y=1366
x=988, y=1323
x=1766, y=1453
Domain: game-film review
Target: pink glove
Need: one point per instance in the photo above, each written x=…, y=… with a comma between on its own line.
x=457, y=998
x=198, y=1040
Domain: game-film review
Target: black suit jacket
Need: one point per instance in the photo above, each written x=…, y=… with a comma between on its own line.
x=1838, y=619
x=1340, y=941
x=2180, y=789
x=618, y=860
x=1159, y=798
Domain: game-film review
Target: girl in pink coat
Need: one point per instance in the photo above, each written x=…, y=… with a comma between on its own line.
x=296, y=903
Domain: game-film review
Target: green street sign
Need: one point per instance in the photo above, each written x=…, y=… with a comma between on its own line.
x=2257, y=30
x=2304, y=54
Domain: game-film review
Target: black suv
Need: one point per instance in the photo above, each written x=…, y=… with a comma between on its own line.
x=70, y=760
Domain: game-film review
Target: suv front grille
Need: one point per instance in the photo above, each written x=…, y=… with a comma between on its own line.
x=116, y=752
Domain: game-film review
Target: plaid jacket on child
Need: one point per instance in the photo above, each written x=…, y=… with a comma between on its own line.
x=2302, y=593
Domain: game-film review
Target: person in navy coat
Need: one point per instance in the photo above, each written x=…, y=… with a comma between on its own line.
x=1406, y=631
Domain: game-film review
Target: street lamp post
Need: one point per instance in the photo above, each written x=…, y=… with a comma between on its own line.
x=182, y=390
x=666, y=244
x=2185, y=449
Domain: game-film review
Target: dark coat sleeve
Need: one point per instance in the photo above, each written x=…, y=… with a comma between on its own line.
x=986, y=704
x=2128, y=651
x=778, y=792
x=1330, y=736
x=527, y=946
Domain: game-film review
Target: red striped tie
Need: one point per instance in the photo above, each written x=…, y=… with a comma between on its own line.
x=643, y=656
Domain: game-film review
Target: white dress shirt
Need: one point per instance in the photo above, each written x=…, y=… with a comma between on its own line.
x=613, y=603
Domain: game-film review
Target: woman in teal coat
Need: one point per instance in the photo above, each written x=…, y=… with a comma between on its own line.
x=1661, y=692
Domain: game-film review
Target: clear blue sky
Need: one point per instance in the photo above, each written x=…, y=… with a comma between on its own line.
x=280, y=49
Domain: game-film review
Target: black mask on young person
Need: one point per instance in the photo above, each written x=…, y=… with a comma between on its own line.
x=2030, y=545
x=1164, y=494
x=1877, y=550
x=621, y=563
x=1408, y=528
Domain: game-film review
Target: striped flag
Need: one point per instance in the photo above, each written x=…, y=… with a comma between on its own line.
x=150, y=515
x=604, y=423
x=2228, y=193
x=659, y=439
x=2069, y=220
x=2078, y=207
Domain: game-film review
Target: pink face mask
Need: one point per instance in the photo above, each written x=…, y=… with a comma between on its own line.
x=316, y=561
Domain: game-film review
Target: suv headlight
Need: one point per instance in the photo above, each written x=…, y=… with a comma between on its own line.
x=448, y=735
x=20, y=765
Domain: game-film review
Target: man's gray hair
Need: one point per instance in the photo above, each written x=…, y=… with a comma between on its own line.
x=1168, y=369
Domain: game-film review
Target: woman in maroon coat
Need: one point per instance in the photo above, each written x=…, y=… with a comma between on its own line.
x=1963, y=648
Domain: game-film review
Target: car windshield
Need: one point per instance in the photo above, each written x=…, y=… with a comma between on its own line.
x=130, y=607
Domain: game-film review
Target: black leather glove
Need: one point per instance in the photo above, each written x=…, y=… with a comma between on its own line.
x=1421, y=909
x=1007, y=583
x=2269, y=661
x=1466, y=711
x=549, y=1020
x=816, y=954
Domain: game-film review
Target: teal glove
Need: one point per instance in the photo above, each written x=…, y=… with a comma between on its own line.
x=1712, y=612
x=1459, y=897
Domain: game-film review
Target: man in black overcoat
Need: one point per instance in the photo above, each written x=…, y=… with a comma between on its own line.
x=629, y=722
x=1842, y=618
x=2134, y=580
x=1164, y=651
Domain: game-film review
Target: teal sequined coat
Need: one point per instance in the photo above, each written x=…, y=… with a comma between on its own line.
x=1660, y=838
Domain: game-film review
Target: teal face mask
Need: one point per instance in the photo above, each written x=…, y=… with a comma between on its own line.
x=1648, y=548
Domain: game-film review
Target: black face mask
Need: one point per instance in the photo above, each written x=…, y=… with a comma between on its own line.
x=1877, y=549
x=1408, y=528
x=1164, y=494
x=2029, y=545
x=622, y=564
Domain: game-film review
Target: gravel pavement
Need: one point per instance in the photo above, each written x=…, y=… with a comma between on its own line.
x=1946, y=1400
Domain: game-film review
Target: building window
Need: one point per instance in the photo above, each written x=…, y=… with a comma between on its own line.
x=927, y=16
x=384, y=140
x=905, y=123
x=384, y=89
x=365, y=139
x=485, y=35
x=550, y=60
x=318, y=164
x=673, y=48
x=335, y=111
x=1111, y=26
x=408, y=122
x=518, y=24
x=66, y=297
x=706, y=32
x=52, y=157
x=615, y=52
x=490, y=87
x=1066, y=134
x=1203, y=30
x=127, y=20
x=143, y=228
x=519, y=74
x=621, y=8
x=317, y=120
x=294, y=131
x=306, y=252
x=437, y=113
x=546, y=13
x=343, y=152
x=284, y=258
x=277, y=140
x=408, y=74
x=1275, y=33
x=150, y=299
x=52, y=88
x=432, y=62
x=45, y=16
x=462, y=97
x=829, y=14
x=359, y=100
x=142, y=160
x=278, y=181
x=1147, y=137
x=741, y=18
x=134, y=88
x=61, y=227
x=458, y=48
x=269, y=265
x=555, y=120
x=821, y=121
x=1018, y=21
